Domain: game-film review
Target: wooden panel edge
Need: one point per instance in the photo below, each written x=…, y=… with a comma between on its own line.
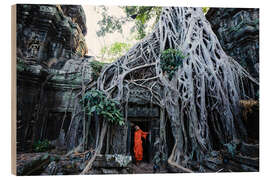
x=13, y=91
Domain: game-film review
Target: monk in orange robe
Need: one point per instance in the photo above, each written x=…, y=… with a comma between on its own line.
x=138, y=149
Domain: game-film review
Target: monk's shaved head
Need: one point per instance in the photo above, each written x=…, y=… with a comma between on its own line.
x=137, y=127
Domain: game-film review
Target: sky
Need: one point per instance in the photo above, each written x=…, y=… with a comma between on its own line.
x=96, y=43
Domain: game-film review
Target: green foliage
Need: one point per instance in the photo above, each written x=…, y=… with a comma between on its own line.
x=205, y=9
x=108, y=23
x=171, y=59
x=21, y=66
x=139, y=28
x=116, y=50
x=96, y=68
x=96, y=101
x=142, y=15
x=41, y=146
x=231, y=148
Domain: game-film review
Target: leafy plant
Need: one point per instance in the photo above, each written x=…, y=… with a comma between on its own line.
x=205, y=9
x=41, y=146
x=114, y=51
x=231, y=148
x=142, y=15
x=96, y=69
x=109, y=24
x=170, y=61
x=21, y=65
x=96, y=101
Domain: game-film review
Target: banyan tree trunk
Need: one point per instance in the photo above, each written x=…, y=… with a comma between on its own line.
x=202, y=98
x=98, y=148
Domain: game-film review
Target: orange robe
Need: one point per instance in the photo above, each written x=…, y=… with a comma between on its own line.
x=138, y=149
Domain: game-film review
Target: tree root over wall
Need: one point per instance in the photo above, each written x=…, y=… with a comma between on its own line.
x=201, y=100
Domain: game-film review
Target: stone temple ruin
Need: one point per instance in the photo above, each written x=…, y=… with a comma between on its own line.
x=52, y=65
x=49, y=65
x=50, y=48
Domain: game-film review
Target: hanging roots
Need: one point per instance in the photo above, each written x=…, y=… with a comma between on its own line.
x=201, y=100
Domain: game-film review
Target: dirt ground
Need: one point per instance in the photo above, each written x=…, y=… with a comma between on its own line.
x=145, y=168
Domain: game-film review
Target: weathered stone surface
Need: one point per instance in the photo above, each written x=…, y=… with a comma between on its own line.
x=238, y=32
x=48, y=35
x=51, y=169
x=32, y=164
x=119, y=137
x=240, y=162
x=51, y=67
x=53, y=164
x=44, y=98
x=76, y=13
x=251, y=150
x=139, y=111
x=109, y=171
x=250, y=115
x=112, y=161
x=250, y=161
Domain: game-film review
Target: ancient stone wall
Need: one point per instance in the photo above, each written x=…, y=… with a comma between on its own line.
x=50, y=62
x=238, y=32
x=48, y=35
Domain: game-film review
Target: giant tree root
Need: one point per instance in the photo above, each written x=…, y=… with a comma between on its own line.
x=98, y=149
x=172, y=163
x=75, y=150
x=201, y=100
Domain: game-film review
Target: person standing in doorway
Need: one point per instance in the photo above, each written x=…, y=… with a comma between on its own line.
x=138, y=148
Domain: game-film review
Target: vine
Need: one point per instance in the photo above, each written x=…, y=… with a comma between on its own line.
x=96, y=101
x=42, y=146
x=96, y=69
x=170, y=61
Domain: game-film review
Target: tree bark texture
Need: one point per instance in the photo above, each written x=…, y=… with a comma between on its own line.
x=201, y=100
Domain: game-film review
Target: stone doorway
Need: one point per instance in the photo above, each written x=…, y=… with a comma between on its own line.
x=54, y=124
x=147, y=118
x=146, y=127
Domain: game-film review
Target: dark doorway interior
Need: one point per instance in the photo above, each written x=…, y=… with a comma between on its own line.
x=54, y=123
x=145, y=126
